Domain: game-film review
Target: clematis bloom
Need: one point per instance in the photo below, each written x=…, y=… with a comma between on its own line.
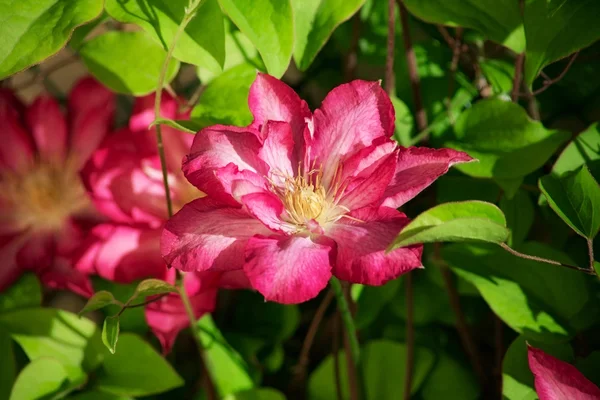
x=297, y=197
x=558, y=380
x=42, y=199
x=125, y=181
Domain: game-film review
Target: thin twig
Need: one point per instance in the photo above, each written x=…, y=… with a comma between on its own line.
x=346, y=318
x=410, y=336
x=590, y=245
x=413, y=72
x=304, y=359
x=145, y=303
x=461, y=324
x=550, y=82
x=351, y=367
x=519, y=62
x=389, y=60
x=446, y=35
x=351, y=60
x=194, y=98
x=456, y=51
x=42, y=75
x=545, y=260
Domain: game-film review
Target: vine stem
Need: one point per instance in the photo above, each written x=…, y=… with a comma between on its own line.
x=190, y=12
x=590, y=246
x=347, y=319
x=548, y=261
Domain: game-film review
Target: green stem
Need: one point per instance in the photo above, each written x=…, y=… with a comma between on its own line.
x=190, y=12
x=347, y=318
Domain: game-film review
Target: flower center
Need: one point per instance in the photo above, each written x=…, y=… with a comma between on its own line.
x=43, y=196
x=308, y=204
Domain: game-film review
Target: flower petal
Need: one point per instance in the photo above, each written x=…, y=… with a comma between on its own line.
x=351, y=117
x=288, y=269
x=207, y=235
x=62, y=275
x=558, y=380
x=88, y=94
x=267, y=208
x=16, y=151
x=361, y=245
x=49, y=128
x=11, y=270
x=417, y=168
x=216, y=147
x=272, y=100
x=167, y=316
x=277, y=150
x=121, y=253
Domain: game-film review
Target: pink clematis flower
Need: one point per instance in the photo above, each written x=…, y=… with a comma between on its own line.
x=125, y=181
x=558, y=380
x=42, y=199
x=297, y=197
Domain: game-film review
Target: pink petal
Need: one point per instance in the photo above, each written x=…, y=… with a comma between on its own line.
x=288, y=269
x=91, y=109
x=216, y=147
x=207, y=235
x=267, y=208
x=16, y=151
x=240, y=183
x=361, y=247
x=235, y=279
x=417, y=168
x=61, y=275
x=272, y=100
x=38, y=251
x=121, y=253
x=11, y=270
x=167, y=316
x=49, y=128
x=277, y=150
x=370, y=184
x=351, y=117
x=558, y=380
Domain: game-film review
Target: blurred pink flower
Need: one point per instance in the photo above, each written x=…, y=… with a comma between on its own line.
x=42, y=199
x=558, y=380
x=125, y=181
x=297, y=197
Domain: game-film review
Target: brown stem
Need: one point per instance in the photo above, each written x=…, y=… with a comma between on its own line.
x=446, y=35
x=413, y=71
x=352, y=57
x=550, y=82
x=145, y=303
x=456, y=50
x=461, y=324
x=410, y=336
x=303, y=359
x=194, y=98
x=39, y=77
x=519, y=62
x=545, y=260
x=389, y=61
x=337, y=320
x=590, y=245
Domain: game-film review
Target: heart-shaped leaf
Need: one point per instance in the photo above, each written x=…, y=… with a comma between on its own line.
x=97, y=301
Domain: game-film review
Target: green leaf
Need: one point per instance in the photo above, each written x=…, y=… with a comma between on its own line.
x=507, y=143
x=499, y=73
x=136, y=370
x=516, y=376
x=583, y=150
x=450, y=380
x=455, y=222
x=229, y=371
x=256, y=394
x=137, y=67
x=404, y=123
x=32, y=30
x=7, y=364
x=499, y=20
x=25, y=292
x=41, y=378
x=97, y=301
x=575, y=197
x=238, y=50
x=133, y=320
x=376, y=356
x=314, y=22
x=519, y=213
x=80, y=34
x=554, y=29
x=181, y=124
x=151, y=287
x=372, y=300
x=44, y=332
x=110, y=333
x=225, y=100
x=536, y=299
x=270, y=27
x=201, y=43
